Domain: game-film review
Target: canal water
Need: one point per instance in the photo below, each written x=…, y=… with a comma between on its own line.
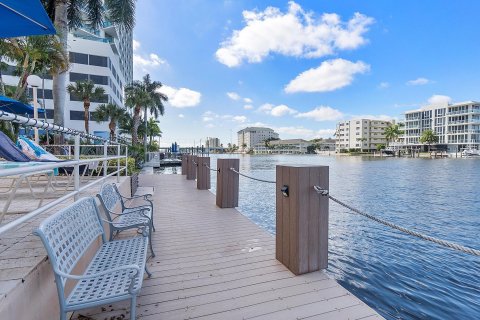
x=400, y=276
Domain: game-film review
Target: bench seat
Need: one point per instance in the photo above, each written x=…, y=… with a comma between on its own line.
x=115, y=272
x=113, y=286
x=132, y=217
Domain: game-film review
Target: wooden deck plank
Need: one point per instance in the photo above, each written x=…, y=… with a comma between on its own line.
x=214, y=263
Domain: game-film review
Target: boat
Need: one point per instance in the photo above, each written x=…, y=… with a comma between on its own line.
x=470, y=152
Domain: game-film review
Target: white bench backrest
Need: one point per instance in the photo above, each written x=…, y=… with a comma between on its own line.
x=69, y=233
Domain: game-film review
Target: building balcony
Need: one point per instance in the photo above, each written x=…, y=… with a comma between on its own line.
x=464, y=112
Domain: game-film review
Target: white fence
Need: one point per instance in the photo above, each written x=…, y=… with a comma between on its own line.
x=73, y=154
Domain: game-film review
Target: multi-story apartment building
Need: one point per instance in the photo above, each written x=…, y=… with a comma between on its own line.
x=457, y=125
x=249, y=137
x=289, y=146
x=364, y=134
x=104, y=56
x=211, y=142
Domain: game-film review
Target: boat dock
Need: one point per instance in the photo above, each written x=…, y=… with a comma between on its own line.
x=214, y=263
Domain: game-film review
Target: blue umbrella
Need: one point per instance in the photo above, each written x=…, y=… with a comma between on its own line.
x=23, y=18
x=13, y=106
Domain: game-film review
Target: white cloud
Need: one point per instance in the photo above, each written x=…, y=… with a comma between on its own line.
x=240, y=119
x=247, y=100
x=382, y=117
x=321, y=113
x=419, y=82
x=136, y=45
x=276, y=111
x=145, y=63
x=248, y=107
x=298, y=132
x=181, y=115
x=210, y=125
x=383, y=85
x=330, y=75
x=293, y=33
x=439, y=100
x=210, y=116
x=282, y=110
x=233, y=95
x=182, y=97
x=325, y=133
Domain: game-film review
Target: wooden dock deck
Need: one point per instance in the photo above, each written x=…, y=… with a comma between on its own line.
x=214, y=263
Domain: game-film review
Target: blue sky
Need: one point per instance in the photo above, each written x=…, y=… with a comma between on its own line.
x=299, y=67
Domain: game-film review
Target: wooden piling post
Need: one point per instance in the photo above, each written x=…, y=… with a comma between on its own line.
x=203, y=173
x=302, y=218
x=227, y=183
x=191, y=167
x=184, y=164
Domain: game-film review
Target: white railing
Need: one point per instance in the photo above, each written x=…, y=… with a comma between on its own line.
x=75, y=163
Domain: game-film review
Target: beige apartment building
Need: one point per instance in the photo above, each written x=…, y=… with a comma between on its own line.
x=364, y=134
x=249, y=137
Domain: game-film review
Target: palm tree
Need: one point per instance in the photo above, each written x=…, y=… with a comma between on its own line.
x=33, y=55
x=362, y=140
x=428, y=137
x=153, y=130
x=110, y=112
x=87, y=91
x=392, y=132
x=125, y=125
x=144, y=94
x=72, y=14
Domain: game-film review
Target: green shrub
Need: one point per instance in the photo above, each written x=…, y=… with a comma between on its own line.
x=131, y=168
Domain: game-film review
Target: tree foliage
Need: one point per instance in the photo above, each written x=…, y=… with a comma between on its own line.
x=86, y=91
x=112, y=113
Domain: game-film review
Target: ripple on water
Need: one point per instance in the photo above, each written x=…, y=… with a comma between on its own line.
x=400, y=276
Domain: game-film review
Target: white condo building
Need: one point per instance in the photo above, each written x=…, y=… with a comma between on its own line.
x=249, y=137
x=457, y=125
x=103, y=56
x=364, y=134
x=212, y=142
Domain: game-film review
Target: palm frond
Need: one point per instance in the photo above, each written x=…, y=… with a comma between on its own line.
x=95, y=12
x=121, y=12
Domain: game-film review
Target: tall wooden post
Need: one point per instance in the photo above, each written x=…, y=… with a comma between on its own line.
x=184, y=164
x=191, y=167
x=227, y=183
x=302, y=218
x=203, y=173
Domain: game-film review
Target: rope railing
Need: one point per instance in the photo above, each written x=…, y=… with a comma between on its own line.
x=441, y=242
x=249, y=177
x=208, y=167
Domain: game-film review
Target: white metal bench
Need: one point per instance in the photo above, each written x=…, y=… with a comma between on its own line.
x=115, y=272
x=122, y=217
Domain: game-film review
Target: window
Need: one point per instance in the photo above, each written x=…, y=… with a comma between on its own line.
x=78, y=76
x=79, y=115
x=80, y=58
x=48, y=93
x=98, y=61
x=99, y=79
x=49, y=113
